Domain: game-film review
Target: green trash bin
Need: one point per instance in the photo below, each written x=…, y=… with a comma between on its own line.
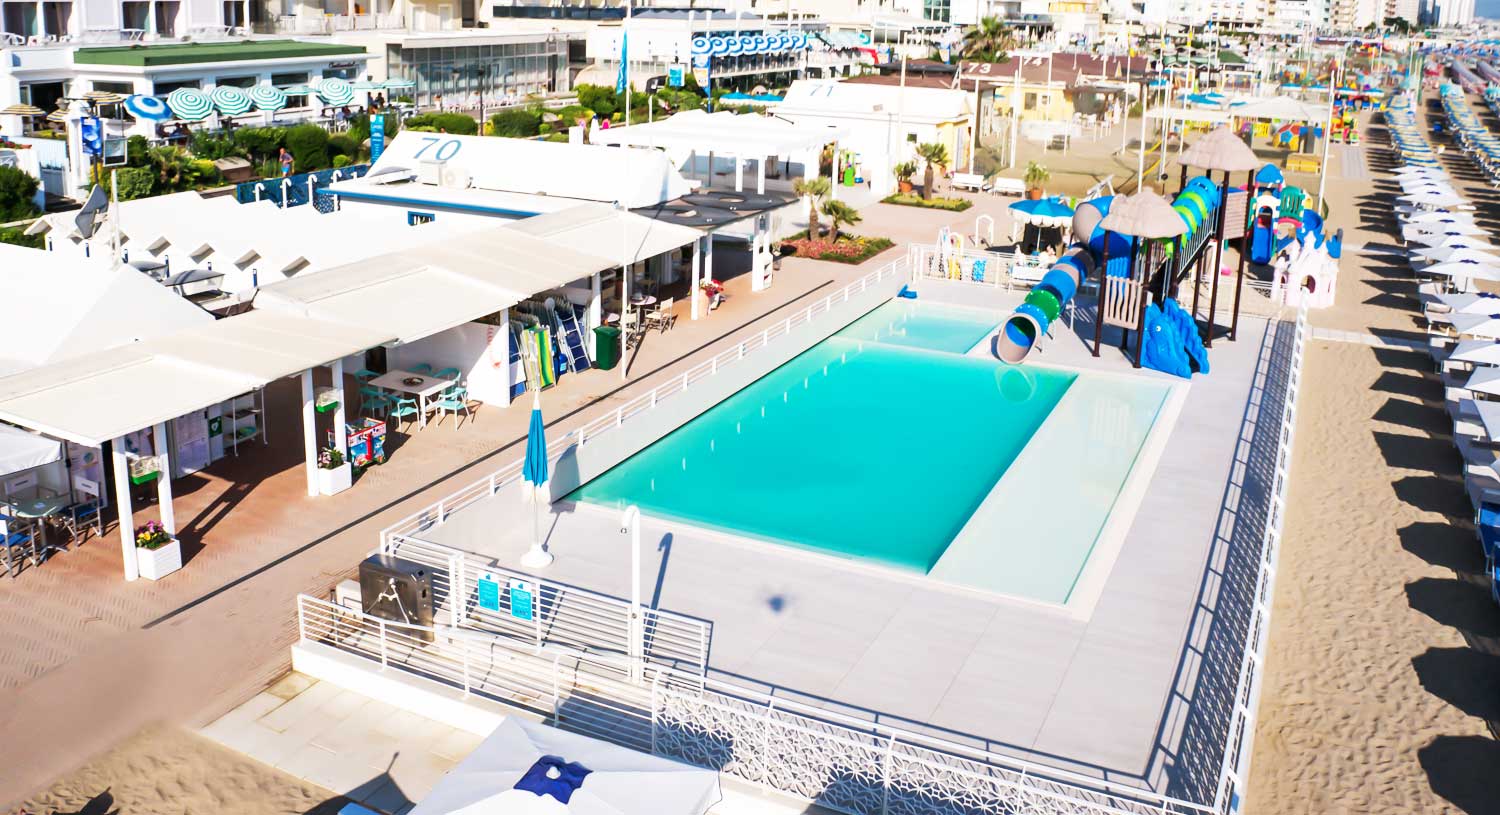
x=606, y=347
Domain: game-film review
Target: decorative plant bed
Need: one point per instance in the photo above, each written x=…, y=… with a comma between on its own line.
x=852, y=249
x=950, y=204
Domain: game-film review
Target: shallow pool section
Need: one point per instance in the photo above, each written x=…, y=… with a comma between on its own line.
x=923, y=325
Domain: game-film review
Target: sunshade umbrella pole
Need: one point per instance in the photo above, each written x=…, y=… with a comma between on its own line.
x=1239, y=278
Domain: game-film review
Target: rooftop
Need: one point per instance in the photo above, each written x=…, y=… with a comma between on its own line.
x=200, y=52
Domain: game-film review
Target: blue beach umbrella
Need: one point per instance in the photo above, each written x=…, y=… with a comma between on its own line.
x=148, y=107
x=1042, y=212
x=534, y=473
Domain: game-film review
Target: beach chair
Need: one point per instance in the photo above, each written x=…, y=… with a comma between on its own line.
x=373, y=400
x=404, y=409
x=17, y=541
x=423, y=368
x=447, y=373
x=661, y=317
x=364, y=375
x=84, y=515
x=453, y=400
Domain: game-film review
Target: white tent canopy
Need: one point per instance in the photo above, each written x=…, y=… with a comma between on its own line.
x=728, y=134
x=20, y=450
x=620, y=781
x=55, y=307
x=607, y=231
x=1282, y=108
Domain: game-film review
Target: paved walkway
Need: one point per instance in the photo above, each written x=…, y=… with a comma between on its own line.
x=90, y=660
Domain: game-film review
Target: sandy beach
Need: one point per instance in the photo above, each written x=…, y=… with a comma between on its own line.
x=171, y=771
x=1381, y=670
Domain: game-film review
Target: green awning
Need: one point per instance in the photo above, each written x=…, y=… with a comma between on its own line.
x=200, y=52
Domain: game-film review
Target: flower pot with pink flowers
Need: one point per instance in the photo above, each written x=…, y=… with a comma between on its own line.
x=157, y=552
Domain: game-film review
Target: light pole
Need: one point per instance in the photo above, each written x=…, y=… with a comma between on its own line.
x=630, y=521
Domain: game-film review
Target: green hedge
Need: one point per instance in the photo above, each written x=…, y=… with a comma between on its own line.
x=949, y=204
x=16, y=191
x=459, y=124
x=260, y=142
x=516, y=124
x=308, y=145
x=135, y=182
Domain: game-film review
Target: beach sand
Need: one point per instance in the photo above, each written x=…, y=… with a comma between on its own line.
x=1381, y=669
x=171, y=771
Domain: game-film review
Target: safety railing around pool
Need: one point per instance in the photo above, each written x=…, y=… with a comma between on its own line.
x=437, y=513
x=1234, y=773
x=843, y=763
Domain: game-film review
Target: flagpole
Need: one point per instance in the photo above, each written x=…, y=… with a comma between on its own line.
x=114, y=219
x=625, y=59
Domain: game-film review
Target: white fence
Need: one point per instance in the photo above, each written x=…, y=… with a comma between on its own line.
x=841, y=763
x=928, y=262
x=437, y=513
x=1234, y=775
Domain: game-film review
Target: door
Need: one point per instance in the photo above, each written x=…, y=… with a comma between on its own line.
x=191, y=435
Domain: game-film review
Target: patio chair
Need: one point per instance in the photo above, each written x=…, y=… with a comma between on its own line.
x=454, y=399
x=373, y=400
x=84, y=515
x=13, y=541
x=364, y=375
x=661, y=317
x=447, y=373
x=404, y=409
x=425, y=369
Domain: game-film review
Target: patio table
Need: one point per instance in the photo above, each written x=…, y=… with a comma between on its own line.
x=40, y=509
x=426, y=387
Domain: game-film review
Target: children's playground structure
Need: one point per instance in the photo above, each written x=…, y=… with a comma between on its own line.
x=1289, y=237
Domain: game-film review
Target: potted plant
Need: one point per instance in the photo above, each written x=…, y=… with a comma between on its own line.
x=904, y=172
x=157, y=553
x=1036, y=177
x=714, y=291
x=334, y=473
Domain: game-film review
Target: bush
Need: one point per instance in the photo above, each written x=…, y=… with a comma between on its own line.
x=211, y=147
x=343, y=146
x=460, y=124
x=340, y=160
x=851, y=249
x=950, y=204
x=308, y=145
x=359, y=128
x=544, y=129
x=260, y=142
x=558, y=137
x=517, y=123
x=16, y=191
x=204, y=172
x=598, y=98
x=19, y=237
x=135, y=182
x=135, y=151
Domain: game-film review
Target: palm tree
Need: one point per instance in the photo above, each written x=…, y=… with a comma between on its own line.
x=990, y=41
x=815, y=189
x=172, y=166
x=839, y=212
x=934, y=155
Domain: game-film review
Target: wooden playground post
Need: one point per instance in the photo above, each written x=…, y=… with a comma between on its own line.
x=1213, y=297
x=1239, y=279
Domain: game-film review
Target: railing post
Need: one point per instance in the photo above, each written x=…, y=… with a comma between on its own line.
x=619, y=416
x=885, y=775
x=653, y=398
x=495, y=486
x=713, y=367
x=555, y=689
x=465, y=646
x=655, y=706
x=301, y=619
x=442, y=512
x=384, y=653
x=456, y=591
x=536, y=616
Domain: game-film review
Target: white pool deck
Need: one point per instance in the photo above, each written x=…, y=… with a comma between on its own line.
x=1114, y=691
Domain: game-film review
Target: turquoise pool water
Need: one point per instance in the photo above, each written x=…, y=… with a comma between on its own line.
x=882, y=441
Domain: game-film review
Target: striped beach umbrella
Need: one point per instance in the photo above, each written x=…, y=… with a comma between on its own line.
x=398, y=84
x=58, y=116
x=190, y=104
x=231, y=101
x=296, y=90
x=367, y=86
x=23, y=110
x=335, y=91
x=149, y=108
x=267, y=98
x=104, y=97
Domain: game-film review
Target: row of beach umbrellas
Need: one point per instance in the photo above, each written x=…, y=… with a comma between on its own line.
x=1406, y=136
x=1442, y=237
x=193, y=105
x=1472, y=135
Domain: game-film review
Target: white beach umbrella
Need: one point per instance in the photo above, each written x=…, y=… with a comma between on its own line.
x=1489, y=416
x=1434, y=234
x=1414, y=171
x=1485, y=379
x=1435, y=199
x=1430, y=215
x=1478, y=352
x=1460, y=254
x=1464, y=269
x=1477, y=325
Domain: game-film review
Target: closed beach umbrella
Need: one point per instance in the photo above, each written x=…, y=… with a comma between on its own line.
x=231, y=101
x=148, y=108
x=267, y=98
x=190, y=104
x=1144, y=215
x=534, y=473
x=335, y=91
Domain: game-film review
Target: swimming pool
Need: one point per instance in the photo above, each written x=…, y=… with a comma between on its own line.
x=880, y=444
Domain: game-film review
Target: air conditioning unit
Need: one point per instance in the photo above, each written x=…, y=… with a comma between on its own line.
x=430, y=172
x=456, y=177
x=397, y=590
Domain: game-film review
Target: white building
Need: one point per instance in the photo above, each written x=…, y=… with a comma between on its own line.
x=1452, y=13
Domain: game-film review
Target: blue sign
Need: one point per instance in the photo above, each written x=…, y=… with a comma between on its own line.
x=377, y=136
x=92, y=133
x=520, y=600
x=675, y=76
x=489, y=593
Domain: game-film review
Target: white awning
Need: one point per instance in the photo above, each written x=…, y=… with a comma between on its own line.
x=609, y=231
x=723, y=133
x=20, y=450
x=1283, y=108
x=1191, y=114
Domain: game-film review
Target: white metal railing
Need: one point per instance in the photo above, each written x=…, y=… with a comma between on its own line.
x=928, y=262
x=845, y=764
x=590, y=623
x=1234, y=773
x=437, y=513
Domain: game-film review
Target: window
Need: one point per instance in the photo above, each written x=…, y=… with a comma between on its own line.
x=1030, y=103
x=419, y=218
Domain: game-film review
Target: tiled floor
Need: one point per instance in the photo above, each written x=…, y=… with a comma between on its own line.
x=379, y=755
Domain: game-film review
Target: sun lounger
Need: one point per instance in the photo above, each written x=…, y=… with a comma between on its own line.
x=1487, y=522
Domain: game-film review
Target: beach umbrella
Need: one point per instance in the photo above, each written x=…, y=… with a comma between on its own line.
x=534, y=474
x=267, y=98
x=58, y=116
x=1453, y=254
x=1484, y=379
x=1477, y=352
x=231, y=101
x=296, y=90
x=367, y=86
x=1220, y=149
x=1144, y=215
x=1471, y=269
x=104, y=97
x=23, y=110
x=1477, y=325
x=1434, y=234
x=528, y=768
x=1438, y=215
x=1042, y=212
x=335, y=91
x=398, y=84
x=190, y=104
x=1435, y=198
x=148, y=108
